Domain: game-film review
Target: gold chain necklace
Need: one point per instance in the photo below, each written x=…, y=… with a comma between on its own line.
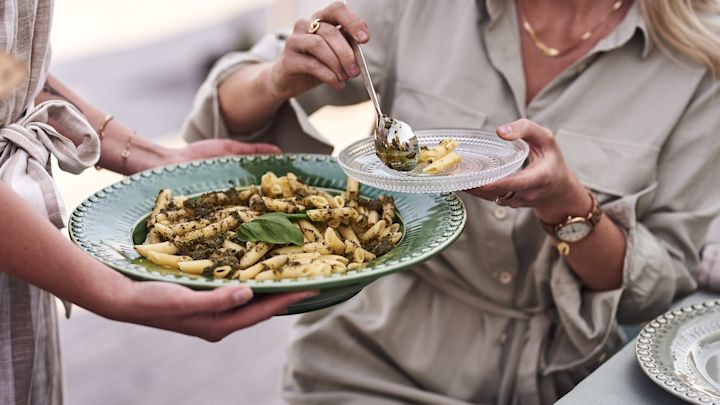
x=554, y=52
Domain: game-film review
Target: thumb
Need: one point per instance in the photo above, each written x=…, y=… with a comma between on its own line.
x=218, y=300
x=526, y=130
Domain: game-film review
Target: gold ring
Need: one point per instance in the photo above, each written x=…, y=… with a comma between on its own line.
x=314, y=26
x=499, y=200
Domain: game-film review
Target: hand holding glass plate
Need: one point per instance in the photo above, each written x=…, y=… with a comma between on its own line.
x=485, y=159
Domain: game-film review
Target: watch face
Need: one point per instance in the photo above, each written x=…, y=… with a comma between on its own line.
x=573, y=231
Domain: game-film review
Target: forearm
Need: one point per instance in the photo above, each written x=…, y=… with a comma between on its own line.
x=247, y=100
x=35, y=252
x=598, y=260
x=142, y=152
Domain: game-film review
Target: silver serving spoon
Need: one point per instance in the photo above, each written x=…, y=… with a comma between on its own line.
x=395, y=142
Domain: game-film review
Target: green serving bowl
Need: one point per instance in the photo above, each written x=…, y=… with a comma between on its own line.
x=108, y=223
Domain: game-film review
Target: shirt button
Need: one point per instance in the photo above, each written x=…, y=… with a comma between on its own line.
x=501, y=213
x=503, y=338
x=581, y=68
x=505, y=277
x=602, y=357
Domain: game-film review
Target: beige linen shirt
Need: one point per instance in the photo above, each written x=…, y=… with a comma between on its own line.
x=499, y=317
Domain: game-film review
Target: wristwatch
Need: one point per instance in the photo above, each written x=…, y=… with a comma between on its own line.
x=574, y=229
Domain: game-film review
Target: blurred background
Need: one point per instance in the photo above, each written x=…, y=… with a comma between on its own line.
x=142, y=61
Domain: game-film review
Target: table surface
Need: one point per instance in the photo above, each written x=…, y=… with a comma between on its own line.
x=621, y=381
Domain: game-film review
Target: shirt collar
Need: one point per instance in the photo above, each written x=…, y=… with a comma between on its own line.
x=633, y=22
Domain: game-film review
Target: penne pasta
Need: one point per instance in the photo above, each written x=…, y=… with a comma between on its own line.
x=333, y=241
x=198, y=236
x=319, y=247
x=373, y=232
x=230, y=245
x=314, y=201
x=288, y=250
x=185, y=227
x=254, y=253
x=372, y=218
x=161, y=202
x=353, y=188
x=349, y=235
x=276, y=205
x=221, y=272
x=303, y=258
x=272, y=263
x=162, y=247
x=326, y=214
x=388, y=209
x=152, y=237
x=211, y=230
x=334, y=258
x=164, y=231
x=442, y=164
x=429, y=155
x=195, y=266
x=310, y=232
x=166, y=260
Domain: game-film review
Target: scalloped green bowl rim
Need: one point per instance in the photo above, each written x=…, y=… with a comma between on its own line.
x=103, y=224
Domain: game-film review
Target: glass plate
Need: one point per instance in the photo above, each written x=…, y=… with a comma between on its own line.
x=485, y=159
x=680, y=351
x=108, y=223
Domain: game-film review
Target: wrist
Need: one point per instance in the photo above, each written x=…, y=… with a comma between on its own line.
x=574, y=201
x=146, y=155
x=267, y=80
x=113, y=299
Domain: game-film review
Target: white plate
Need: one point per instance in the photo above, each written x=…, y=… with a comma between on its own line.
x=485, y=159
x=680, y=351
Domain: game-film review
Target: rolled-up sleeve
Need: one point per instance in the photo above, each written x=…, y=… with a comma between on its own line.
x=205, y=120
x=664, y=240
x=664, y=224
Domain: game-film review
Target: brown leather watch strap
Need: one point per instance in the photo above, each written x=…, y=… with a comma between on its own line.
x=593, y=218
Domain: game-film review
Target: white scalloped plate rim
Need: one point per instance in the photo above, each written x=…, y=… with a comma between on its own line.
x=654, y=352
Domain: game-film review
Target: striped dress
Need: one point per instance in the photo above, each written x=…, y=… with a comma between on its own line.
x=30, y=368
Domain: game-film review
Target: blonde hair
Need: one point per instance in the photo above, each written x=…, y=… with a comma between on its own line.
x=687, y=26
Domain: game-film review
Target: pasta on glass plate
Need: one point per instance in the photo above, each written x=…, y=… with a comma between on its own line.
x=275, y=222
x=468, y=158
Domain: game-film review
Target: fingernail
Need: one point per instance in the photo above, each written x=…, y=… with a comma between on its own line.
x=354, y=70
x=362, y=36
x=505, y=129
x=242, y=296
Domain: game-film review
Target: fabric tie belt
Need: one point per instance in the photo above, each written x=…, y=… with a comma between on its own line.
x=25, y=149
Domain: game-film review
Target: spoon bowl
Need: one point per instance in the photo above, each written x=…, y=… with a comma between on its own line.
x=396, y=144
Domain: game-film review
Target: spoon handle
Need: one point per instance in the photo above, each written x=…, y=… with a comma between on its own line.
x=360, y=58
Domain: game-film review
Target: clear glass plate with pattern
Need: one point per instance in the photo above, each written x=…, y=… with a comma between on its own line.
x=680, y=351
x=485, y=159
x=108, y=223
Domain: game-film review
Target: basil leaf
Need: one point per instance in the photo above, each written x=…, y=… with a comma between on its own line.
x=273, y=228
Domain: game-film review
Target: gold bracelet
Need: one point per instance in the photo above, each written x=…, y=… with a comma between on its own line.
x=101, y=132
x=101, y=129
x=126, y=151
